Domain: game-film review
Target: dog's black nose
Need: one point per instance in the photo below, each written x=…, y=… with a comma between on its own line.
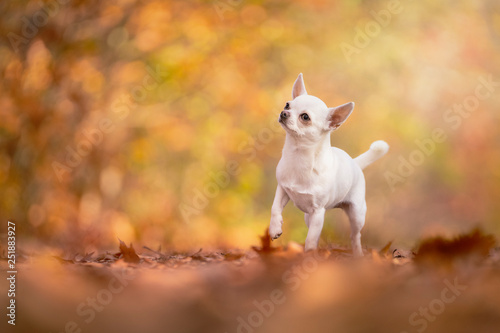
x=284, y=114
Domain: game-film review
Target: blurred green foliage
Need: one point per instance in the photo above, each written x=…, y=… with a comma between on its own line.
x=154, y=121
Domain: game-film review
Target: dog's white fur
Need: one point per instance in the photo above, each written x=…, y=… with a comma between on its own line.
x=316, y=176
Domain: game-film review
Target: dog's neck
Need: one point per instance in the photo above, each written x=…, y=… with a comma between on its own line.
x=306, y=153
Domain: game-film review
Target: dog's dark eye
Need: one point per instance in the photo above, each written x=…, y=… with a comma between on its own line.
x=287, y=106
x=305, y=117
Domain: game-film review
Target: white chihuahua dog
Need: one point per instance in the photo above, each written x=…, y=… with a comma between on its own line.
x=315, y=175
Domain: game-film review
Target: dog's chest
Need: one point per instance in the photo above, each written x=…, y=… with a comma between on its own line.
x=304, y=201
x=305, y=185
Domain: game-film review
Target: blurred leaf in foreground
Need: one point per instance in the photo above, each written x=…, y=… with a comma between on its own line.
x=474, y=245
x=128, y=253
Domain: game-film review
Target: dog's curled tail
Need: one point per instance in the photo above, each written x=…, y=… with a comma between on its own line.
x=377, y=150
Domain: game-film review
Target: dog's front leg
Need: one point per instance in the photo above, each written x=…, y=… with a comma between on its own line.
x=280, y=201
x=315, y=219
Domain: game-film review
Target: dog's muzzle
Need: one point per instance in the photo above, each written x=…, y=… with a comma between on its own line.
x=284, y=115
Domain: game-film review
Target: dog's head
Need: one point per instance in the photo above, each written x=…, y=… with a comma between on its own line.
x=308, y=117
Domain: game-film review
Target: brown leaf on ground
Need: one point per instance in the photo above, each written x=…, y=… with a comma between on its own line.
x=231, y=256
x=128, y=253
x=85, y=258
x=265, y=241
x=467, y=246
x=106, y=257
x=399, y=254
x=385, y=250
x=63, y=261
x=161, y=257
x=198, y=256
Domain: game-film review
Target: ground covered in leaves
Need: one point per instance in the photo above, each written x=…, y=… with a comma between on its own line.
x=443, y=285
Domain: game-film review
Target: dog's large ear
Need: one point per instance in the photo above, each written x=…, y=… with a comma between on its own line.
x=298, y=87
x=339, y=114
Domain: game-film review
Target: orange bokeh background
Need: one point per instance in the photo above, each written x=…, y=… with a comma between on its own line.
x=155, y=121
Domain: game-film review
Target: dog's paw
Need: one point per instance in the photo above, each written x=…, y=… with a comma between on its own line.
x=276, y=236
x=275, y=232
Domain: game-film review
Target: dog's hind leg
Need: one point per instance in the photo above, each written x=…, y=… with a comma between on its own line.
x=356, y=213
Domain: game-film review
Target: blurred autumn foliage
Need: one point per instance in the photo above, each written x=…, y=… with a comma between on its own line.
x=154, y=121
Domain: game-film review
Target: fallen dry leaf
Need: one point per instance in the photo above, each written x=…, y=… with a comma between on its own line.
x=474, y=245
x=161, y=257
x=249, y=277
x=231, y=256
x=128, y=253
x=63, y=261
x=398, y=254
x=265, y=241
x=384, y=251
